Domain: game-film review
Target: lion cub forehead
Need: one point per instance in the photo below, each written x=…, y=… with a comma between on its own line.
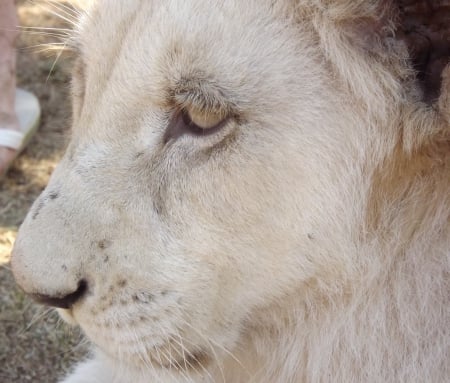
x=112, y=18
x=175, y=42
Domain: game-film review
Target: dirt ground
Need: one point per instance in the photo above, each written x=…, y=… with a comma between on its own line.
x=35, y=346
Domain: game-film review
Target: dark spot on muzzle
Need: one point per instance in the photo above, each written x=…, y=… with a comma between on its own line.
x=51, y=196
x=38, y=209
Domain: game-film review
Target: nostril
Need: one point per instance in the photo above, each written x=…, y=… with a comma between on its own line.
x=63, y=301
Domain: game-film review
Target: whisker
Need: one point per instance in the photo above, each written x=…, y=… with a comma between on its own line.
x=27, y=28
x=222, y=348
x=44, y=47
x=200, y=364
x=179, y=370
x=54, y=64
x=219, y=364
x=141, y=349
x=180, y=343
x=81, y=344
x=231, y=355
x=65, y=35
x=69, y=12
x=61, y=36
x=185, y=361
x=171, y=359
x=36, y=318
x=159, y=355
x=49, y=34
x=71, y=19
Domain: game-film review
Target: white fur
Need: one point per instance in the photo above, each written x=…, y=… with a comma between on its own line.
x=306, y=241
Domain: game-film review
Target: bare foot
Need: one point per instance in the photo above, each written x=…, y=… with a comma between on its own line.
x=8, y=35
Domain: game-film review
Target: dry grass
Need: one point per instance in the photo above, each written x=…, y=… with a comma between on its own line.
x=34, y=345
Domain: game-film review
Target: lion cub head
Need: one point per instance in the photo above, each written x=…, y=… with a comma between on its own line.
x=212, y=171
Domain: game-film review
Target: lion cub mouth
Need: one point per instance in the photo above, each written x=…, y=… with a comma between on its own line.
x=173, y=357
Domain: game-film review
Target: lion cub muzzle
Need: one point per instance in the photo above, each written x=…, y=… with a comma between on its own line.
x=43, y=264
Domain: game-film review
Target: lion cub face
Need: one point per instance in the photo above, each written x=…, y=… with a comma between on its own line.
x=191, y=193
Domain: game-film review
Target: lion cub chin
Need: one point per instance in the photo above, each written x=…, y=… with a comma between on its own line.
x=254, y=191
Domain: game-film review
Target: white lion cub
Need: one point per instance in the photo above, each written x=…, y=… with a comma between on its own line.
x=254, y=192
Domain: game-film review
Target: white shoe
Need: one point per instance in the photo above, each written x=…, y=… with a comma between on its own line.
x=28, y=113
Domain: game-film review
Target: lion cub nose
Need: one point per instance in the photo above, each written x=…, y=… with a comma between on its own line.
x=62, y=301
x=45, y=282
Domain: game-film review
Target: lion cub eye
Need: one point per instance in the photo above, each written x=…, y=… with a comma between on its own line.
x=201, y=123
x=194, y=123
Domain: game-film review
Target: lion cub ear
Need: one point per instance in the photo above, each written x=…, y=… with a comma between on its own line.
x=364, y=24
x=355, y=37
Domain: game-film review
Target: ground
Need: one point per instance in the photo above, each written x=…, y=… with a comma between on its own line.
x=35, y=346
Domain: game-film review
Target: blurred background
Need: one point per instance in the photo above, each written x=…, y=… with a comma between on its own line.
x=35, y=345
